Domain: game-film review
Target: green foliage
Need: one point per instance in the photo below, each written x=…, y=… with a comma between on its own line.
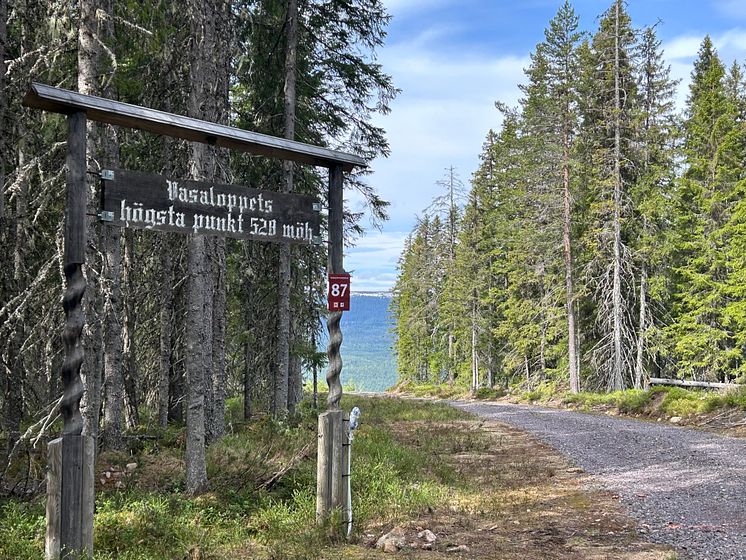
x=488, y=394
x=661, y=401
x=153, y=520
x=652, y=228
x=543, y=392
x=22, y=530
x=631, y=401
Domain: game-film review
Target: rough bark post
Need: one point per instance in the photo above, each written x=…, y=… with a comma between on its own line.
x=344, y=465
x=329, y=481
x=76, y=528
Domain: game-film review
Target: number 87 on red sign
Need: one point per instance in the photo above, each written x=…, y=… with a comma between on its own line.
x=339, y=292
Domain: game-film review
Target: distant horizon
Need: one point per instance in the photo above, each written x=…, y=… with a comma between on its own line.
x=370, y=292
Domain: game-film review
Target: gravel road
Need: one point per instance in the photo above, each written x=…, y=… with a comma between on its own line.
x=684, y=487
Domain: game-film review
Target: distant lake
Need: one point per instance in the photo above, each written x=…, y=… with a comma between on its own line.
x=367, y=355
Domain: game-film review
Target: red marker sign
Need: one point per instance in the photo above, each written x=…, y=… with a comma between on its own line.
x=339, y=292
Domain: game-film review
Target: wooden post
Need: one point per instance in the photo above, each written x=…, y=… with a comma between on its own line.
x=76, y=522
x=335, y=266
x=54, y=489
x=331, y=454
x=329, y=481
x=344, y=447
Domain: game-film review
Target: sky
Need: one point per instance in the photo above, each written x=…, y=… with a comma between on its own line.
x=453, y=59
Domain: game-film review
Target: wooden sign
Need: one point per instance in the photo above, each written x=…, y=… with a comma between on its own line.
x=144, y=201
x=339, y=292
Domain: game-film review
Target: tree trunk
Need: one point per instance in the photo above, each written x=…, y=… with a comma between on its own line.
x=113, y=348
x=295, y=392
x=248, y=381
x=617, y=379
x=88, y=56
x=166, y=329
x=207, y=96
x=208, y=279
x=639, y=361
x=130, y=373
x=572, y=343
x=3, y=137
x=107, y=146
x=13, y=390
x=474, y=357
x=196, y=469
x=285, y=270
x=218, y=343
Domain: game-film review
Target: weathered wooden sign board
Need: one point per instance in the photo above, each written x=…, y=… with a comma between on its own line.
x=145, y=201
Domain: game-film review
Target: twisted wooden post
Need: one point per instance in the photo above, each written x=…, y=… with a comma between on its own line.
x=76, y=485
x=71, y=336
x=329, y=481
x=336, y=266
x=74, y=258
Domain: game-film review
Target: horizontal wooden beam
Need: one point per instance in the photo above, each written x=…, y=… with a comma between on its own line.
x=41, y=96
x=686, y=383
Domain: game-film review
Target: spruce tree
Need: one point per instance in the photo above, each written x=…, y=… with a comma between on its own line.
x=703, y=337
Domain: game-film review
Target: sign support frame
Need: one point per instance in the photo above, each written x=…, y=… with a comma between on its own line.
x=76, y=485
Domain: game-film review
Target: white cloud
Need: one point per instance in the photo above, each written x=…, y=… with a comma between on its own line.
x=682, y=47
x=681, y=52
x=404, y=7
x=440, y=119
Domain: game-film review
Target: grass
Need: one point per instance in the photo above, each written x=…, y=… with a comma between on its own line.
x=661, y=401
x=658, y=401
x=151, y=518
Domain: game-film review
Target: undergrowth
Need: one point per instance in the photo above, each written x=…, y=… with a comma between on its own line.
x=241, y=518
x=656, y=401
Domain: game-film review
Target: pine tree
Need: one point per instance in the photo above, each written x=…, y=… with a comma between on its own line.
x=550, y=121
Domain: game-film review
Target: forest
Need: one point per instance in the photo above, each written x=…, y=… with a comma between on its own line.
x=601, y=241
x=175, y=325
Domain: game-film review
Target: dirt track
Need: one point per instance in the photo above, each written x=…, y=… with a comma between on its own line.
x=684, y=487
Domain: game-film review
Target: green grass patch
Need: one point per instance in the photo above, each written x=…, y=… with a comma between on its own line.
x=660, y=401
x=22, y=530
x=393, y=478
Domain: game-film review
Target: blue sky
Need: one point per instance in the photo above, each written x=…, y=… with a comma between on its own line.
x=453, y=59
